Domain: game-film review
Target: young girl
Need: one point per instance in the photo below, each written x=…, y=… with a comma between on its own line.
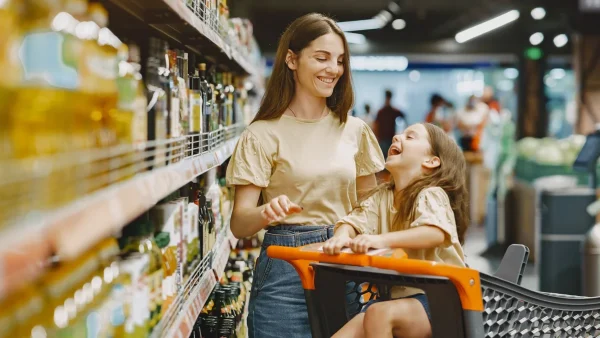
x=423, y=211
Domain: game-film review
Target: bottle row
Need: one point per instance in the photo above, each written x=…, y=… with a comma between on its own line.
x=77, y=114
x=236, y=32
x=123, y=286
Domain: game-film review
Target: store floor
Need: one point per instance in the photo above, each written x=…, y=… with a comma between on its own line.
x=475, y=245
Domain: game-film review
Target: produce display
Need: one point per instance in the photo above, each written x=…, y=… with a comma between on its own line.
x=548, y=156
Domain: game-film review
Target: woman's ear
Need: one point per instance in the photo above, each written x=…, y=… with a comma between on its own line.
x=291, y=60
x=432, y=162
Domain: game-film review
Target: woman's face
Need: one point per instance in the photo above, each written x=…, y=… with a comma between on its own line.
x=320, y=65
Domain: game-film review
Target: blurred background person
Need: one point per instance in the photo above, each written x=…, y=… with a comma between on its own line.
x=368, y=117
x=385, y=123
x=440, y=113
x=471, y=123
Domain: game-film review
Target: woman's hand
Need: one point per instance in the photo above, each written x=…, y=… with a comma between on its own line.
x=362, y=243
x=279, y=208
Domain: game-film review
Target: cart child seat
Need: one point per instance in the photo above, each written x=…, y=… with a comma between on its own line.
x=463, y=302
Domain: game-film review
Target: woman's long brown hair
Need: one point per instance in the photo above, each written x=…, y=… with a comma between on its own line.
x=450, y=176
x=282, y=87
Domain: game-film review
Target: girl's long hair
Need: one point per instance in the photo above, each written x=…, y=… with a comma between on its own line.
x=450, y=176
x=281, y=86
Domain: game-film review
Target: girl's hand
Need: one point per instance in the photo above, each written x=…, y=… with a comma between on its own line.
x=279, y=208
x=335, y=244
x=362, y=243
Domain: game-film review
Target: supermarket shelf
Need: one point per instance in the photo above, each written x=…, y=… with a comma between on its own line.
x=107, y=211
x=176, y=20
x=26, y=245
x=180, y=319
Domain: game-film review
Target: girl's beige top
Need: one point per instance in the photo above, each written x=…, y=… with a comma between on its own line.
x=376, y=214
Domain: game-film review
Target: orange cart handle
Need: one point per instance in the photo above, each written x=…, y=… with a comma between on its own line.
x=465, y=280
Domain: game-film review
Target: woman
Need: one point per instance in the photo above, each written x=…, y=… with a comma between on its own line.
x=306, y=160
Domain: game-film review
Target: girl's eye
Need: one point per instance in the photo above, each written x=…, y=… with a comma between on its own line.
x=321, y=59
x=340, y=63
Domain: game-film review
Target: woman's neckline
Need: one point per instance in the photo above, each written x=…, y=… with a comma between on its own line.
x=298, y=119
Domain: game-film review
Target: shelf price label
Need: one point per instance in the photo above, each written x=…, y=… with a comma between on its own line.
x=206, y=285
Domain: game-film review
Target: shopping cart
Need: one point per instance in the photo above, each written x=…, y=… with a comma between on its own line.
x=463, y=302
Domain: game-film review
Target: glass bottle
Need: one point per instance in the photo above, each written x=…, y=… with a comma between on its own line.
x=157, y=102
x=207, y=97
x=196, y=105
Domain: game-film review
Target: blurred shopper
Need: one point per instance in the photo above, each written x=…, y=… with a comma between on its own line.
x=385, y=123
x=306, y=160
x=490, y=100
x=438, y=115
x=471, y=123
x=368, y=117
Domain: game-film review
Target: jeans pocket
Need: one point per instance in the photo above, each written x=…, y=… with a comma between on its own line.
x=262, y=269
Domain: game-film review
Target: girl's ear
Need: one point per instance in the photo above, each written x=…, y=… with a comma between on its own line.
x=432, y=163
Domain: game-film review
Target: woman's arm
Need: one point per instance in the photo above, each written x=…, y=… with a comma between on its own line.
x=247, y=219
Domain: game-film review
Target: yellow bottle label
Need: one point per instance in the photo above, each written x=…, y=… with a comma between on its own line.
x=196, y=112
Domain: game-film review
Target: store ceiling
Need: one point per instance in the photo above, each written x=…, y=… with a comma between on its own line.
x=431, y=24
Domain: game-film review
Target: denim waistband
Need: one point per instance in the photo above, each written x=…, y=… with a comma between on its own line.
x=297, y=235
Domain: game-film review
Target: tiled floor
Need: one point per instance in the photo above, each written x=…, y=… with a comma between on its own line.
x=475, y=244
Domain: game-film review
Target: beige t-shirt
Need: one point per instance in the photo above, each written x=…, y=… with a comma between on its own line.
x=375, y=215
x=314, y=162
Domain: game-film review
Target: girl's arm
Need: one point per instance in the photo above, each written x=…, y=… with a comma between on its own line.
x=422, y=237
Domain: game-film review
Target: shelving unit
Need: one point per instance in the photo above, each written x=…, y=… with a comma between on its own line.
x=176, y=20
x=179, y=321
x=26, y=244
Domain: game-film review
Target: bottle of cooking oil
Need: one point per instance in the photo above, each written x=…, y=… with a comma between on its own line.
x=130, y=117
x=137, y=237
x=140, y=116
x=135, y=268
x=10, y=12
x=69, y=295
x=157, y=80
x=45, y=106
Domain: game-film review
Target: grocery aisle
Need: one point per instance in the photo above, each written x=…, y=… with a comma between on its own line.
x=116, y=129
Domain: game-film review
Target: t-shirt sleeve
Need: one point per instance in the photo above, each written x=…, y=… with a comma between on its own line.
x=433, y=209
x=249, y=163
x=369, y=158
x=365, y=217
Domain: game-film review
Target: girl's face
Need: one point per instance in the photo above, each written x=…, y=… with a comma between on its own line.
x=320, y=65
x=411, y=151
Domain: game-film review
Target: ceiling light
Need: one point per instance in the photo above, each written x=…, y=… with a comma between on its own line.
x=538, y=13
x=394, y=7
x=398, y=24
x=536, y=38
x=561, y=40
x=487, y=26
x=355, y=38
x=414, y=76
x=379, y=63
x=384, y=17
x=511, y=73
x=360, y=25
